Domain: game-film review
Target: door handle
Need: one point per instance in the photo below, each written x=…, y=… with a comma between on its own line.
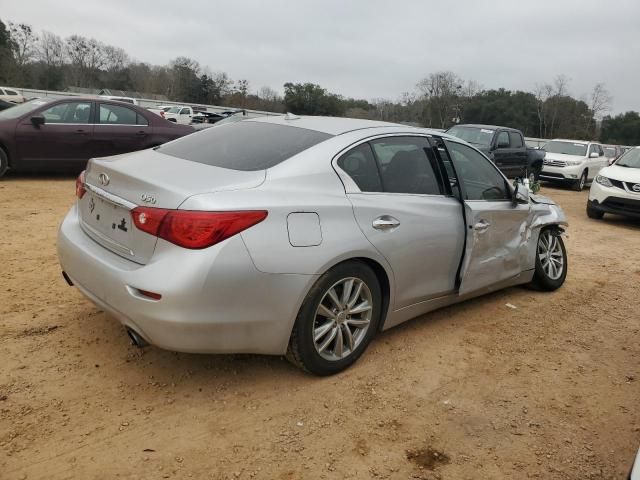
x=141, y=133
x=81, y=131
x=481, y=226
x=385, y=222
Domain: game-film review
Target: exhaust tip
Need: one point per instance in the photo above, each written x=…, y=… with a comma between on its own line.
x=67, y=279
x=136, y=339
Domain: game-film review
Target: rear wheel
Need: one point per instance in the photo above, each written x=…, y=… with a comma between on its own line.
x=579, y=184
x=337, y=320
x=551, y=261
x=4, y=162
x=593, y=213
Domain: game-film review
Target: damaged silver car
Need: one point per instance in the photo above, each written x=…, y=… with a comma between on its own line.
x=302, y=236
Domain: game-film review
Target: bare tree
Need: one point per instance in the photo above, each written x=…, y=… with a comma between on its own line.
x=542, y=93
x=50, y=49
x=599, y=104
x=441, y=91
x=560, y=85
x=114, y=58
x=23, y=43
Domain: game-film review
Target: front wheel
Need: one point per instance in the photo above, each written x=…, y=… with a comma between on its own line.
x=337, y=320
x=579, y=184
x=593, y=213
x=551, y=261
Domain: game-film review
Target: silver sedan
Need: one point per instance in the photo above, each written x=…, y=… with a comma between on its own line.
x=302, y=236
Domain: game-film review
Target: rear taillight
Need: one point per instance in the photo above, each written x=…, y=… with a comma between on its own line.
x=80, y=189
x=194, y=229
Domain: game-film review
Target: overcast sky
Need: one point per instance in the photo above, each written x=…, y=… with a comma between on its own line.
x=369, y=48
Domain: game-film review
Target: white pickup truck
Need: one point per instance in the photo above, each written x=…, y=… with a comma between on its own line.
x=179, y=114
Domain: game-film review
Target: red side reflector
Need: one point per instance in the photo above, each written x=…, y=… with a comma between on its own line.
x=194, y=229
x=80, y=189
x=151, y=295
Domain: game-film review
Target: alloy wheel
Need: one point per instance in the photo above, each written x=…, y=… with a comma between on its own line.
x=550, y=255
x=342, y=318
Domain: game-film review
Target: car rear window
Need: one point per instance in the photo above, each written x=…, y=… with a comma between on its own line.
x=247, y=145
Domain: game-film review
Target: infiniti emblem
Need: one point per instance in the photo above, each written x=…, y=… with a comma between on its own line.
x=103, y=178
x=636, y=187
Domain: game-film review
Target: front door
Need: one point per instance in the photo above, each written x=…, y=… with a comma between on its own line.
x=403, y=208
x=119, y=129
x=496, y=228
x=62, y=142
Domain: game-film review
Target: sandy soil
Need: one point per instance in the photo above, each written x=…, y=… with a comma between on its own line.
x=480, y=390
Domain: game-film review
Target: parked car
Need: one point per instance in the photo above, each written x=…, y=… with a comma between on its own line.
x=536, y=143
x=11, y=95
x=505, y=147
x=180, y=114
x=160, y=110
x=572, y=161
x=206, y=117
x=612, y=152
x=121, y=99
x=301, y=235
x=60, y=134
x=617, y=188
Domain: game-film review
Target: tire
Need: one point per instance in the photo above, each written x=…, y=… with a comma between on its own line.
x=545, y=277
x=330, y=329
x=4, y=162
x=579, y=184
x=593, y=213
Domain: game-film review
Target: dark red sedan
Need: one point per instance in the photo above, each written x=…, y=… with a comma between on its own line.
x=63, y=134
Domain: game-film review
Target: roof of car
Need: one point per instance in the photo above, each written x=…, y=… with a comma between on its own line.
x=330, y=125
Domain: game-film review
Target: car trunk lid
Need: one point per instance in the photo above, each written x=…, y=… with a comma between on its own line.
x=116, y=185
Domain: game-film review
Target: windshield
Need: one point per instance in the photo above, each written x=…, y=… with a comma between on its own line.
x=23, y=108
x=247, y=146
x=473, y=135
x=630, y=159
x=566, y=148
x=174, y=110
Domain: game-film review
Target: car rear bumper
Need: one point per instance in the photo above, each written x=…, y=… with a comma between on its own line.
x=213, y=300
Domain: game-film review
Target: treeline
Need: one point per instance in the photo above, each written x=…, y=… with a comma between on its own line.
x=46, y=61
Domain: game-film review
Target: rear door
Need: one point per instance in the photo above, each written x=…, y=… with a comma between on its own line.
x=120, y=129
x=496, y=229
x=62, y=142
x=406, y=211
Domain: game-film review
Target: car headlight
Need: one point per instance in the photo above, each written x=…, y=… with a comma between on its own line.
x=573, y=163
x=604, y=181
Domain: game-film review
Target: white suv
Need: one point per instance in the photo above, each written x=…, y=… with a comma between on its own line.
x=573, y=161
x=617, y=188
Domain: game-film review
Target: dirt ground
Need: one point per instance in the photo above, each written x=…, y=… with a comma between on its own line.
x=548, y=390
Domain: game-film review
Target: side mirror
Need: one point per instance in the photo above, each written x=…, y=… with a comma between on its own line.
x=521, y=192
x=594, y=155
x=37, y=120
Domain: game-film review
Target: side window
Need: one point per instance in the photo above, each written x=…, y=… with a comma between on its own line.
x=600, y=151
x=117, y=115
x=516, y=140
x=592, y=148
x=407, y=165
x=11, y=92
x=480, y=179
x=503, y=139
x=360, y=165
x=140, y=120
x=68, y=112
x=184, y=111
